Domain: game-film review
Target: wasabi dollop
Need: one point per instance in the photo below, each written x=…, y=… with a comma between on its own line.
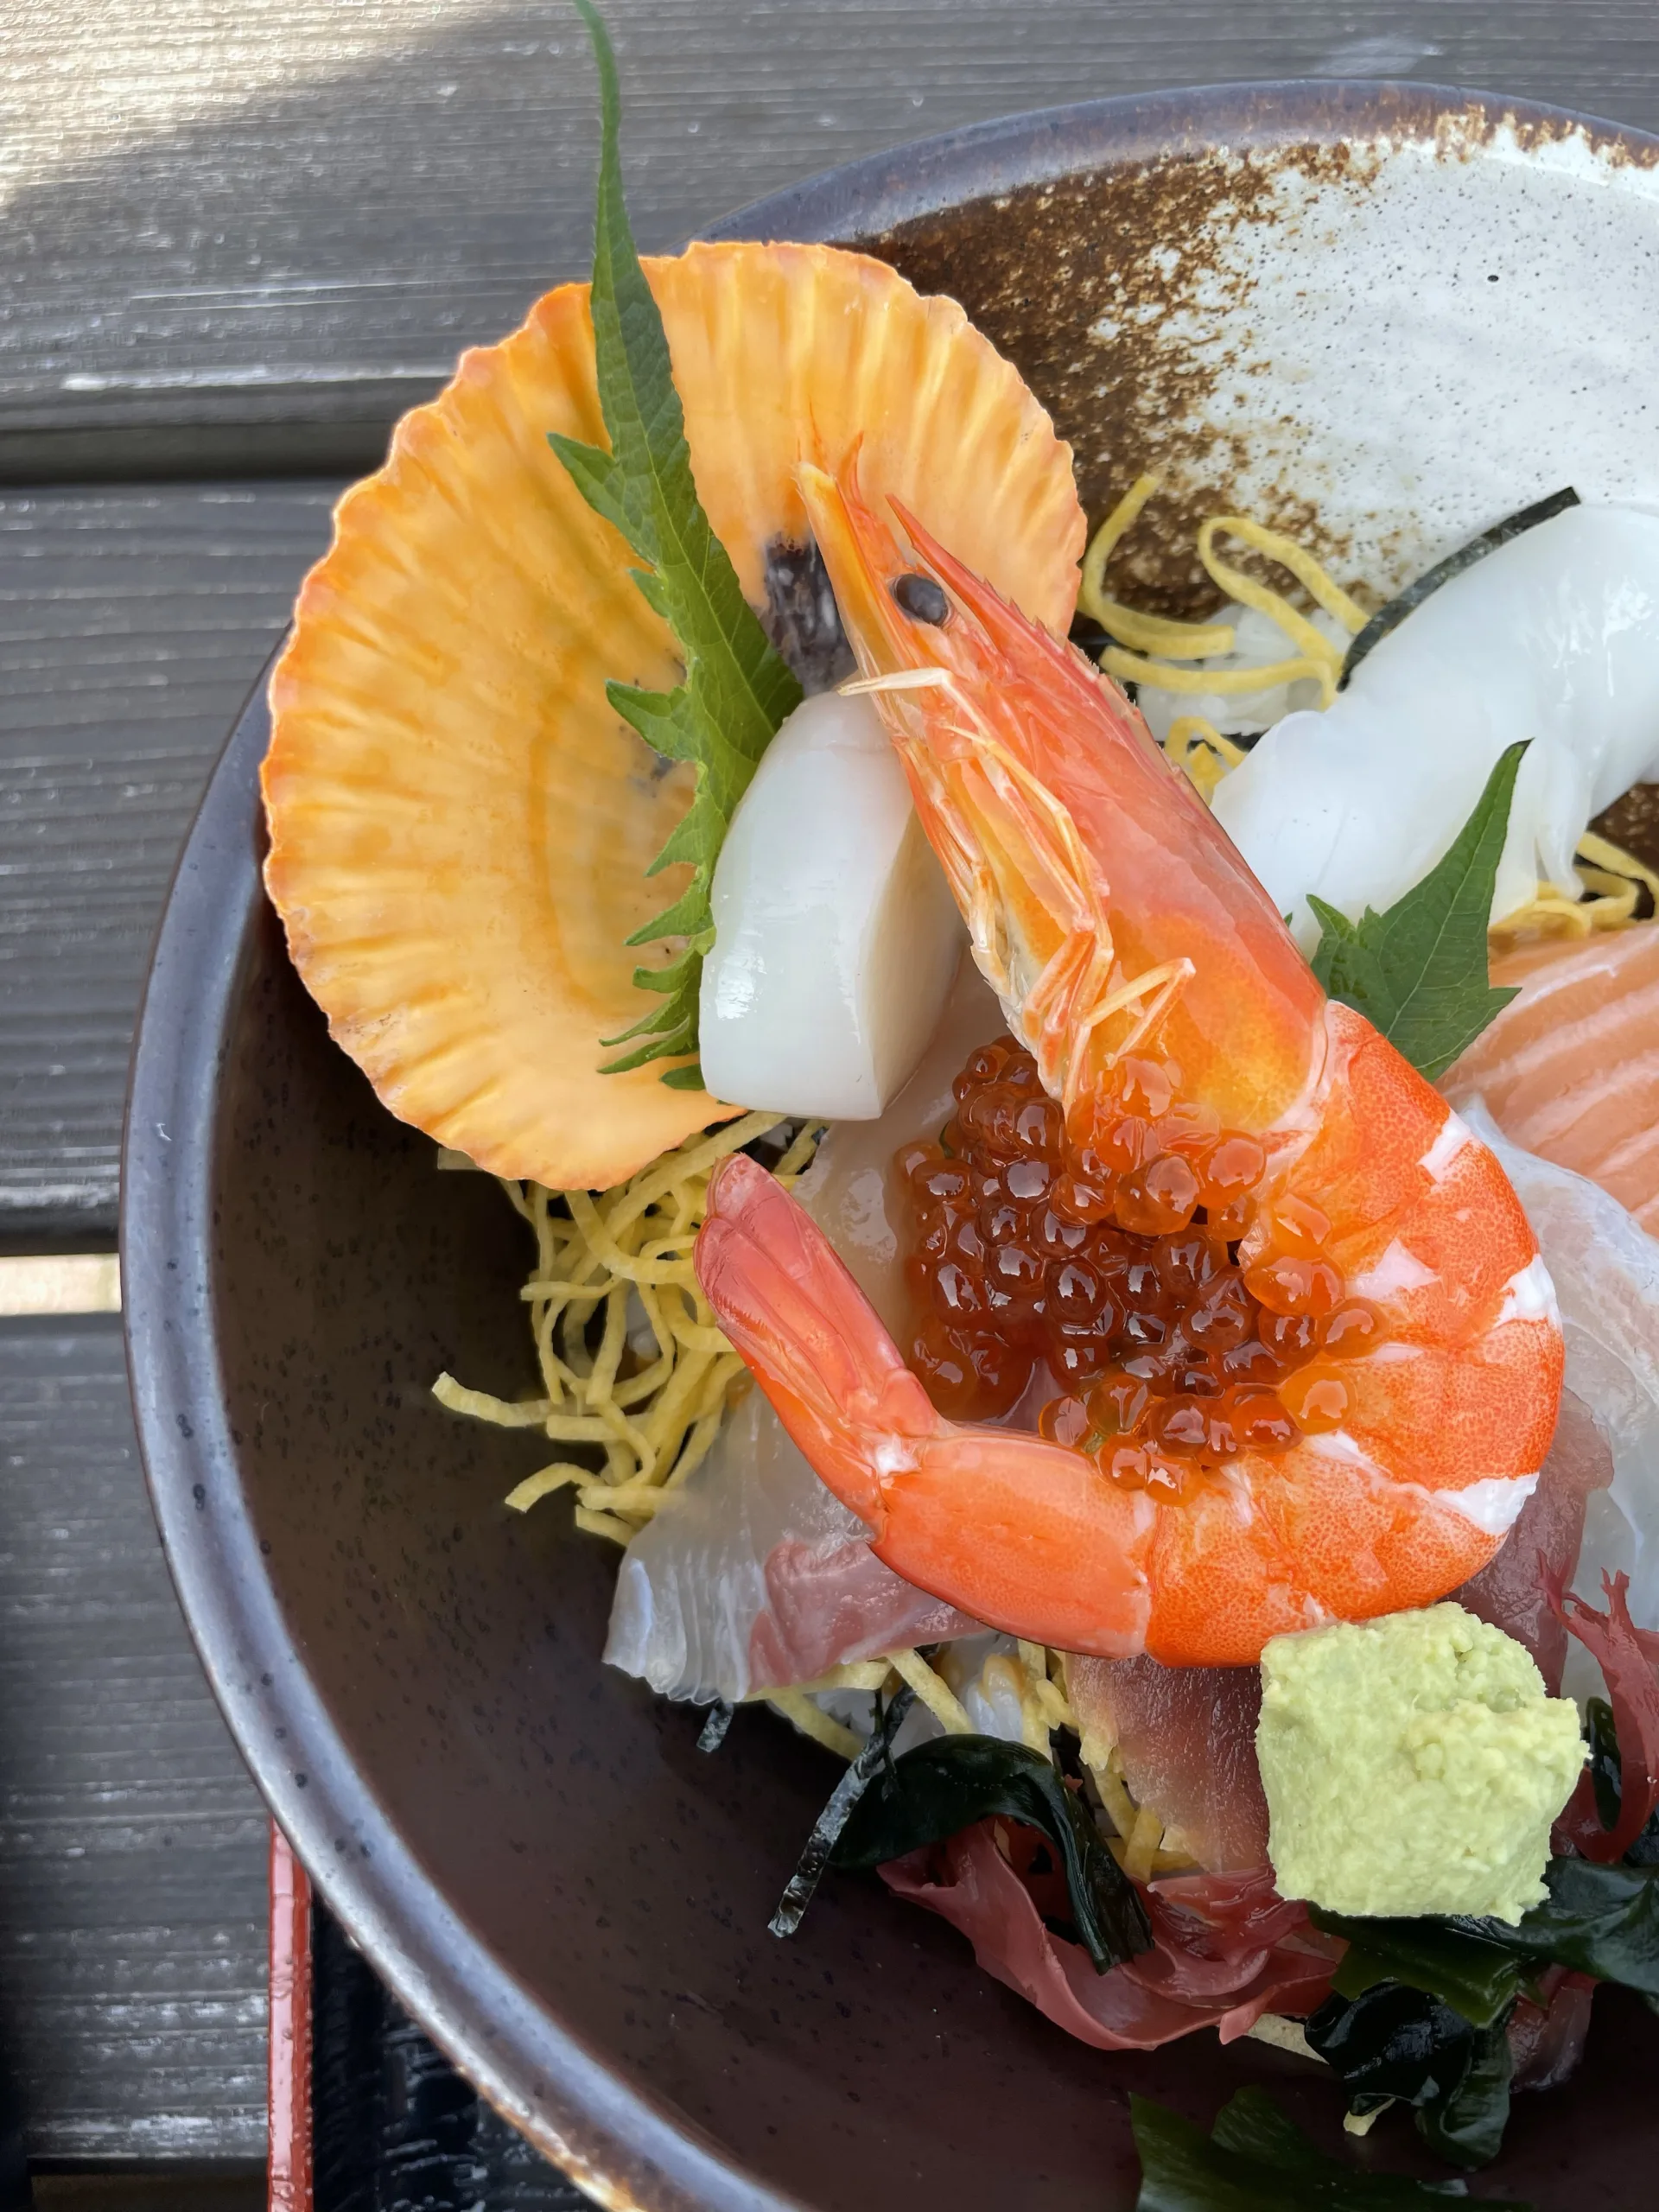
x=1412, y=1764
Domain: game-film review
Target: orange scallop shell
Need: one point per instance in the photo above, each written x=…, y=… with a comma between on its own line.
x=459, y=821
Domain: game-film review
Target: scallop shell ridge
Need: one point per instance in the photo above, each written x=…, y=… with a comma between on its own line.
x=459, y=821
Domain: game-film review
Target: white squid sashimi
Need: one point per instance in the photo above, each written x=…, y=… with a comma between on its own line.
x=836, y=935
x=752, y=1574
x=1605, y=1270
x=1554, y=638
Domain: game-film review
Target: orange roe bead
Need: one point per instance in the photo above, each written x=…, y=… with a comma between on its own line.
x=1146, y=1087
x=1260, y=1422
x=913, y=1159
x=1232, y=1169
x=1298, y=1227
x=1285, y=1282
x=1122, y=1145
x=1189, y=1129
x=1354, y=1329
x=1168, y=1479
x=1127, y=1465
x=1159, y=1198
x=1066, y=1421
x=1118, y=1403
x=1079, y=1198
x=1291, y=1338
x=1316, y=1397
x=1104, y=1265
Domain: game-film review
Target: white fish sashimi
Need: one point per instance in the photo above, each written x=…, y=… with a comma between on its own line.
x=836, y=935
x=752, y=1574
x=1554, y=638
x=1605, y=1270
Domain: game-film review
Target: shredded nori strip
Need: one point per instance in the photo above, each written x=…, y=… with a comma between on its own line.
x=830, y=1822
x=715, y=1728
x=1391, y=616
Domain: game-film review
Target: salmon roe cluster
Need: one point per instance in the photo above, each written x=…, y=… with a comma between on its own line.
x=1110, y=1270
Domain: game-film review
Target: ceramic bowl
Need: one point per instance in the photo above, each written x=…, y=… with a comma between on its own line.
x=1382, y=315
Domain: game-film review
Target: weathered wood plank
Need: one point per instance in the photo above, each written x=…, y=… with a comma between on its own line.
x=132, y=624
x=280, y=222
x=132, y=1845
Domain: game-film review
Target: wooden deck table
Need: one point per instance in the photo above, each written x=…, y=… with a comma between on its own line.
x=237, y=239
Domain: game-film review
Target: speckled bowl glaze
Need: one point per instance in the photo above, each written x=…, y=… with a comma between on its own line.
x=1382, y=315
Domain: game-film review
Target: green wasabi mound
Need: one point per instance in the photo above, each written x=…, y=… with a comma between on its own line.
x=1412, y=1764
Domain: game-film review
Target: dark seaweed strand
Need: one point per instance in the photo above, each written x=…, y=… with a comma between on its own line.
x=826, y=1829
x=715, y=1728
x=1391, y=616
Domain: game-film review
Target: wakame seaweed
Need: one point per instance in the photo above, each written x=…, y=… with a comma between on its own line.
x=1454, y=1961
x=1256, y=2159
x=1397, y=2042
x=938, y=1789
x=1405, y=602
x=1418, y=2008
x=1601, y=1920
x=713, y=1733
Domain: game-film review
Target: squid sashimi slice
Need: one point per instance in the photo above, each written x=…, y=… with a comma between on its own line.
x=1555, y=637
x=836, y=935
x=1570, y=1068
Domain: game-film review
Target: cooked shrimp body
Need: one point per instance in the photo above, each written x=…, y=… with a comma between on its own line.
x=1344, y=1236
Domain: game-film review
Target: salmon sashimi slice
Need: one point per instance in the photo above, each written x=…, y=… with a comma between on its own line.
x=1570, y=1068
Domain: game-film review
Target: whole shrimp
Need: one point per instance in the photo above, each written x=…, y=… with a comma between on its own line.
x=1203, y=1077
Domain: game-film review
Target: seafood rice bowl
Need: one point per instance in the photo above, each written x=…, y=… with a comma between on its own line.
x=1050, y=987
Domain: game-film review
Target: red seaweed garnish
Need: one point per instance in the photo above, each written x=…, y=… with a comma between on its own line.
x=1626, y=1656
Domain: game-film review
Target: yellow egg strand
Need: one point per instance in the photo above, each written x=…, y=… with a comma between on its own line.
x=612, y=1267
x=1614, y=879
x=1146, y=635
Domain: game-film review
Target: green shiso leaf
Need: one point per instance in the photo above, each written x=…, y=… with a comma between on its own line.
x=1257, y=2161
x=736, y=689
x=939, y=1789
x=1418, y=972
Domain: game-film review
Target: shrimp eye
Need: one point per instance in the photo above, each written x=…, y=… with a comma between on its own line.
x=921, y=598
